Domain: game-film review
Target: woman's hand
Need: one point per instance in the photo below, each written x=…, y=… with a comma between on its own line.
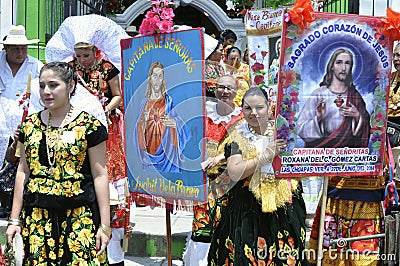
x=280, y=145
x=102, y=241
x=213, y=161
x=107, y=112
x=11, y=231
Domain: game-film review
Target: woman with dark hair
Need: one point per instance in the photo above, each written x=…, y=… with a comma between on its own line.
x=101, y=78
x=213, y=67
x=233, y=66
x=228, y=37
x=61, y=199
x=264, y=221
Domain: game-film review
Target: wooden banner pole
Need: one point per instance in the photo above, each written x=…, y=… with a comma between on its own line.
x=169, y=242
x=320, y=252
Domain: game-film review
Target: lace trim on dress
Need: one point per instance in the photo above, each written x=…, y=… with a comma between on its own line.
x=211, y=108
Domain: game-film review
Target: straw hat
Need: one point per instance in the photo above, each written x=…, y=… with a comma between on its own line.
x=16, y=36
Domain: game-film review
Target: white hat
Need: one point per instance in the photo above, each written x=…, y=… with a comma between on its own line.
x=16, y=36
x=114, y=195
x=209, y=45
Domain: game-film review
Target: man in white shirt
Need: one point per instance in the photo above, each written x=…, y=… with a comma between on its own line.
x=15, y=63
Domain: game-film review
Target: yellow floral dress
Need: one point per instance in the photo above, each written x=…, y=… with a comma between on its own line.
x=60, y=215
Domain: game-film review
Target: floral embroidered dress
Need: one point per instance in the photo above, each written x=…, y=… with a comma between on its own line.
x=212, y=72
x=60, y=215
x=262, y=225
x=105, y=71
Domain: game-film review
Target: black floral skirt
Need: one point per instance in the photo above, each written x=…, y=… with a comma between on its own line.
x=247, y=236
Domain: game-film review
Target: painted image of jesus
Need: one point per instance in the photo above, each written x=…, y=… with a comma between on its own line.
x=335, y=114
x=161, y=134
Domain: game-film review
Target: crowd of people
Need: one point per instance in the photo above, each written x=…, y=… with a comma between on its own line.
x=65, y=166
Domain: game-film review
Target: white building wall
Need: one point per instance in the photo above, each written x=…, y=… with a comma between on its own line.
x=6, y=16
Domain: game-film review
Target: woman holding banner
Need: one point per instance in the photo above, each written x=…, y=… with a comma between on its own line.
x=264, y=221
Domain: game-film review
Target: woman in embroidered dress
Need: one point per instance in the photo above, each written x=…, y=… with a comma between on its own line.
x=241, y=71
x=263, y=222
x=221, y=116
x=213, y=69
x=61, y=199
x=101, y=78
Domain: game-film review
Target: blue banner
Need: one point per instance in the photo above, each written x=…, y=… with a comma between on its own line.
x=164, y=111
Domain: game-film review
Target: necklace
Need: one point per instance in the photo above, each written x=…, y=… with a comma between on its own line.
x=253, y=131
x=269, y=132
x=53, y=138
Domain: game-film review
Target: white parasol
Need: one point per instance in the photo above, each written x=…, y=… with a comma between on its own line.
x=100, y=31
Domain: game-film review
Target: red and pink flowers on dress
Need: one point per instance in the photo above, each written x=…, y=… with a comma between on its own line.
x=159, y=19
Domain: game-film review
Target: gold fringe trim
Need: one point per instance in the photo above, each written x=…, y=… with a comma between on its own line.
x=273, y=193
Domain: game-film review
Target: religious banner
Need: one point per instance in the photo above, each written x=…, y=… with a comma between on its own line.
x=162, y=84
x=332, y=96
x=263, y=30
